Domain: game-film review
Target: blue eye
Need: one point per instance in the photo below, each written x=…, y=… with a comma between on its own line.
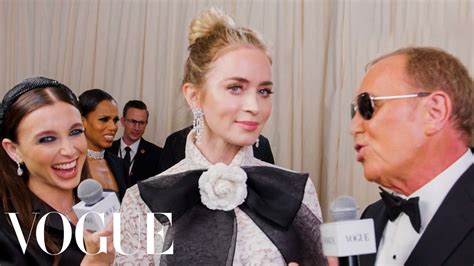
x=265, y=92
x=235, y=89
x=46, y=139
x=76, y=132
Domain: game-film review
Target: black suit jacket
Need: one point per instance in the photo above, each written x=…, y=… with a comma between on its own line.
x=448, y=238
x=175, y=144
x=11, y=253
x=119, y=171
x=145, y=162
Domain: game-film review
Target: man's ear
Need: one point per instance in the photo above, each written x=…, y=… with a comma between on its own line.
x=438, y=111
x=191, y=93
x=12, y=150
x=122, y=121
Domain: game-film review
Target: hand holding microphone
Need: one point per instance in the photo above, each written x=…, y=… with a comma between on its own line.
x=97, y=205
x=95, y=254
x=95, y=212
x=347, y=237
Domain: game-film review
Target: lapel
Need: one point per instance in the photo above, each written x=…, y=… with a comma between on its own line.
x=378, y=213
x=139, y=157
x=117, y=167
x=115, y=147
x=449, y=226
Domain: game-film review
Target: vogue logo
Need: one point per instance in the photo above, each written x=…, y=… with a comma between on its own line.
x=67, y=231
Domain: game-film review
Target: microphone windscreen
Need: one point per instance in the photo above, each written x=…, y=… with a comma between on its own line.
x=89, y=191
x=343, y=208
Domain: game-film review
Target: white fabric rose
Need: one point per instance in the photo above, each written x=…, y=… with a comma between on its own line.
x=223, y=187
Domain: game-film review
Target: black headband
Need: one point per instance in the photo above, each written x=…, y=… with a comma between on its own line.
x=23, y=87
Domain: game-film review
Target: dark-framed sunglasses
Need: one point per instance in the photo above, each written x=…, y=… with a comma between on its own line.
x=364, y=103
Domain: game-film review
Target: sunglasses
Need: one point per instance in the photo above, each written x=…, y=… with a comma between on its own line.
x=365, y=103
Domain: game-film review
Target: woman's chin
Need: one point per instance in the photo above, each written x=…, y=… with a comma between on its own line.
x=245, y=143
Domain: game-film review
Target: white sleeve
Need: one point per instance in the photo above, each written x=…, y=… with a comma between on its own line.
x=133, y=228
x=310, y=199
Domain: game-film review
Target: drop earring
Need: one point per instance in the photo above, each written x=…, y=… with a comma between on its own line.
x=257, y=142
x=19, y=171
x=198, y=124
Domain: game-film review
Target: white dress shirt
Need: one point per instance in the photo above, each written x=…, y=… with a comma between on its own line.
x=399, y=238
x=133, y=151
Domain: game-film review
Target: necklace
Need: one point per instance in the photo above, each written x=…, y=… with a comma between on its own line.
x=96, y=155
x=66, y=213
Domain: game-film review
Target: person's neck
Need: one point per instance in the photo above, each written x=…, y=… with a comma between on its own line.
x=93, y=147
x=217, y=151
x=59, y=199
x=429, y=163
x=128, y=141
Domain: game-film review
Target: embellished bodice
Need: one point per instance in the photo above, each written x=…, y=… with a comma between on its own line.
x=252, y=246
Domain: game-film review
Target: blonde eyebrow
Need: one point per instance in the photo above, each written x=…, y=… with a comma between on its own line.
x=239, y=79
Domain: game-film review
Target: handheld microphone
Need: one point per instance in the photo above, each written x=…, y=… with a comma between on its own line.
x=347, y=237
x=95, y=202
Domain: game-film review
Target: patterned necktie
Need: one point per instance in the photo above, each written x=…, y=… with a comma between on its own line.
x=395, y=205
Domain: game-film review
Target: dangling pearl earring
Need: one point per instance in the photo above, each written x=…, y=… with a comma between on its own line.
x=19, y=171
x=198, y=123
x=257, y=142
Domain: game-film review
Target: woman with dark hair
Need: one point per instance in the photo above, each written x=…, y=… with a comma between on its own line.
x=42, y=161
x=100, y=116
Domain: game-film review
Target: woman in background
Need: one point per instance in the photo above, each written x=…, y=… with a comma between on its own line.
x=100, y=116
x=228, y=208
x=41, y=160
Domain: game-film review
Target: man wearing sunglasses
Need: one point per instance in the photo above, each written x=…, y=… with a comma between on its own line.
x=140, y=156
x=411, y=122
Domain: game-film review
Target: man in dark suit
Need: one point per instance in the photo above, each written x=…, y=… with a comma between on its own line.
x=173, y=151
x=140, y=156
x=412, y=120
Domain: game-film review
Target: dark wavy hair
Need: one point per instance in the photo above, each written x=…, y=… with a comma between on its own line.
x=89, y=100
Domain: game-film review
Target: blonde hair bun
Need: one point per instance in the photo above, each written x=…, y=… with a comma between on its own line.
x=211, y=32
x=207, y=22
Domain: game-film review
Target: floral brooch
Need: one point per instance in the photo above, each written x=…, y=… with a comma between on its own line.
x=223, y=187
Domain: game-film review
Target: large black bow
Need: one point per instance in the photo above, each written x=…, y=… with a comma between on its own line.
x=395, y=205
x=272, y=193
x=207, y=237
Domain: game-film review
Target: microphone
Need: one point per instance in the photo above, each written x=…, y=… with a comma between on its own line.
x=95, y=203
x=347, y=237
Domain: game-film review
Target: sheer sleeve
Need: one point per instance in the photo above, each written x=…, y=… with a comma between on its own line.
x=310, y=199
x=133, y=232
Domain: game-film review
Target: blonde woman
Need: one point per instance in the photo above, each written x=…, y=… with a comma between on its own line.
x=228, y=208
